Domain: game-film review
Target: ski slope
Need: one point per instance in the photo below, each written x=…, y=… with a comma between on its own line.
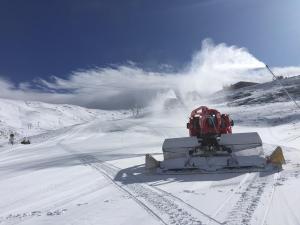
x=88, y=169
x=28, y=118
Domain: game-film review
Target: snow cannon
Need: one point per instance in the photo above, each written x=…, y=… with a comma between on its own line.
x=211, y=146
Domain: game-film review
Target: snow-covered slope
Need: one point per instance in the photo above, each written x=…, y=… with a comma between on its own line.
x=269, y=92
x=26, y=118
x=92, y=172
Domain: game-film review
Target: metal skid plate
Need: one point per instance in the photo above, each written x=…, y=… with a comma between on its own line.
x=246, y=152
x=213, y=163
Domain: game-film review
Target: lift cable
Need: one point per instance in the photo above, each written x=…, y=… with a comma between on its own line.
x=286, y=91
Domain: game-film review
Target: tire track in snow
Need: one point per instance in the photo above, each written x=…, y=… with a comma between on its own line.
x=276, y=177
x=164, y=207
x=244, y=208
x=156, y=203
x=230, y=196
x=96, y=164
x=210, y=218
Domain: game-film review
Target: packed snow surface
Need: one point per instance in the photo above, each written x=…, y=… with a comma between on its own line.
x=86, y=167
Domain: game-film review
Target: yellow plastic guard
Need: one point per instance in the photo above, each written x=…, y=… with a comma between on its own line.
x=277, y=157
x=151, y=162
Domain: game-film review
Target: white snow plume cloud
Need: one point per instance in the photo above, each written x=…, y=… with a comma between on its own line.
x=122, y=87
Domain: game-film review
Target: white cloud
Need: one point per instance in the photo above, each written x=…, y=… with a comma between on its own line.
x=123, y=86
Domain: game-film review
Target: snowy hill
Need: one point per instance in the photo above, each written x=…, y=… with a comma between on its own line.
x=269, y=92
x=26, y=118
x=86, y=166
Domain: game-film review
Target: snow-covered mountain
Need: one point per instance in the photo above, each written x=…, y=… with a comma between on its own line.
x=28, y=118
x=269, y=92
x=86, y=166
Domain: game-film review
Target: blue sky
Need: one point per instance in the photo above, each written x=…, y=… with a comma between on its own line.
x=55, y=37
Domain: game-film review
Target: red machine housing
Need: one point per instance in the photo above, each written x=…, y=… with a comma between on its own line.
x=205, y=122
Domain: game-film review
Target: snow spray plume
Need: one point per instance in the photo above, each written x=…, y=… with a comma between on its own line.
x=125, y=86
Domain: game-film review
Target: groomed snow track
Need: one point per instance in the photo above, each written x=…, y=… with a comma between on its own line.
x=162, y=205
x=249, y=199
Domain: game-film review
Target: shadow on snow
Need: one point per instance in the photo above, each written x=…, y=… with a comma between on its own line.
x=138, y=174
